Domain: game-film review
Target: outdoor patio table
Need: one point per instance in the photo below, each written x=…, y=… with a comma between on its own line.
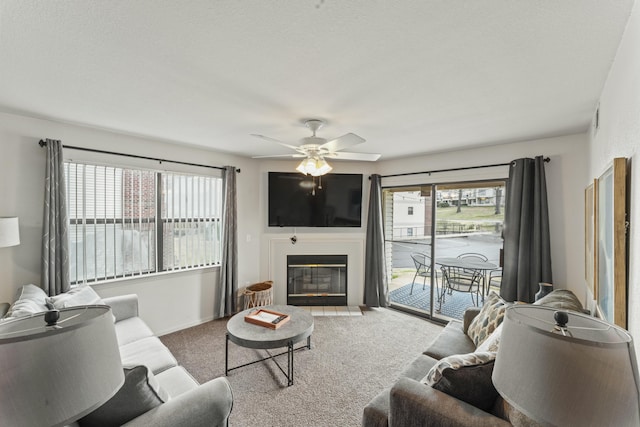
x=468, y=264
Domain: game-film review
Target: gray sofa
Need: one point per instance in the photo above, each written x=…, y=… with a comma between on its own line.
x=186, y=403
x=409, y=402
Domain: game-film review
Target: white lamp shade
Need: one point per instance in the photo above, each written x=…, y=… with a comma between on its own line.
x=9, y=232
x=55, y=375
x=588, y=378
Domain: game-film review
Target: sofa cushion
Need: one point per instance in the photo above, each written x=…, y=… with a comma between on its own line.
x=452, y=340
x=139, y=393
x=176, y=381
x=419, y=367
x=489, y=318
x=132, y=329
x=150, y=352
x=466, y=377
x=30, y=299
x=561, y=298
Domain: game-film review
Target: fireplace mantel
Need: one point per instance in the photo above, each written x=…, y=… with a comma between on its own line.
x=353, y=247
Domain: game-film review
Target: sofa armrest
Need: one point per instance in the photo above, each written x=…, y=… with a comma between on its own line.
x=469, y=314
x=207, y=405
x=4, y=307
x=414, y=404
x=124, y=306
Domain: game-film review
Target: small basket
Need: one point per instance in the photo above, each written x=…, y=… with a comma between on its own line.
x=258, y=294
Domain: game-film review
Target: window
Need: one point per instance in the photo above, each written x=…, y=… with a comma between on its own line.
x=130, y=222
x=410, y=210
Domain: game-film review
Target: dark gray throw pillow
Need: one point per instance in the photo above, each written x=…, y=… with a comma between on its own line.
x=466, y=377
x=139, y=393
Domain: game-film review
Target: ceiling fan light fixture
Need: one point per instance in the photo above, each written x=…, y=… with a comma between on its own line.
x=322, y=167
x=314, y=166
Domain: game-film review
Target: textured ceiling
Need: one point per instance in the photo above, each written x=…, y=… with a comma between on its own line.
x=409, y=76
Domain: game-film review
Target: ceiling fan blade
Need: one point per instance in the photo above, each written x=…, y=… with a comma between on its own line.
x=266, y=138
x=342, y=142
x=273, y=156
x=342, y=155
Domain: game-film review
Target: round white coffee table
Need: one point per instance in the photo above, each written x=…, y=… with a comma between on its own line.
x=245, y=334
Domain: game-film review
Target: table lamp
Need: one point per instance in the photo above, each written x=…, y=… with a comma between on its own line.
x=564, y=368
x=9, y=232
x=56, y=367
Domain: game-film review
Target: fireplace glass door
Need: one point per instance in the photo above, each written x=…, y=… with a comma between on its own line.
x=317, y=279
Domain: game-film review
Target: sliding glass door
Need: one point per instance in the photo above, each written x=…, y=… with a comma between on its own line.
x=443, y=244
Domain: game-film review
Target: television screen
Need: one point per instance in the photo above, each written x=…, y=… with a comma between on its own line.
x=333, y=200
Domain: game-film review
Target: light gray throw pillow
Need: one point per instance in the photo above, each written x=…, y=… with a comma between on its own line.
x=30, y=299
x=80, y=295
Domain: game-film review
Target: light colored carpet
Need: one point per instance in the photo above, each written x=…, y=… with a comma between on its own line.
x=351, y=360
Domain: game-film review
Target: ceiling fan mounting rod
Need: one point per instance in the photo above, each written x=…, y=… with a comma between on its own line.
x=314, y=125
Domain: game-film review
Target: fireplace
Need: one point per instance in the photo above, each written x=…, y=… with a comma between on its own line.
x=317, y=279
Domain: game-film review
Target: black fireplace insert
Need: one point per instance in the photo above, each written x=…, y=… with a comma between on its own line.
x=317, y=280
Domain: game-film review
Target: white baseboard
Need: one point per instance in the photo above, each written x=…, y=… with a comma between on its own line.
x=180, y=327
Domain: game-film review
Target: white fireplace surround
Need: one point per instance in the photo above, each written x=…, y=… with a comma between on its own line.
x=353, y=247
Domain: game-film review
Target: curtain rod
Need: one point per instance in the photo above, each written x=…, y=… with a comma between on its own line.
x=546, y=160
x=42, y=143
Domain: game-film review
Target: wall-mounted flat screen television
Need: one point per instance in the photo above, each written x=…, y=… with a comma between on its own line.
x=297, y=200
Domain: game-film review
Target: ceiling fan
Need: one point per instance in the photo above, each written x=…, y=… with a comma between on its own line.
x=314, y=150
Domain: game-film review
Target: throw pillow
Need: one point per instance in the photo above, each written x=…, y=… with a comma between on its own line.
x=489, y=318
x=80, y=295
x=30, y=299
x=23, y=308
x=492, y=342
x=561, y=298
x=139, y=394
x=32, y=292
x=466, y=377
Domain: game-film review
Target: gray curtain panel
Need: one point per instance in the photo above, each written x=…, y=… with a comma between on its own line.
x=229, y=263
x=375, y=276
x=527, y=246
x=55, y=242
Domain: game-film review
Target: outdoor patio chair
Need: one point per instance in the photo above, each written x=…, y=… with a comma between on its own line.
x=460, y=280
x=473, y=255
x=423, y=269
x=495, y=278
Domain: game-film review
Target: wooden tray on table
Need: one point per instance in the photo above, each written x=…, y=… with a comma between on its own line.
x=267, y=318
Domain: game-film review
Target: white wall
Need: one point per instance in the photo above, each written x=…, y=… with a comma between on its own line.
x=167, y=302
x=619, y=136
